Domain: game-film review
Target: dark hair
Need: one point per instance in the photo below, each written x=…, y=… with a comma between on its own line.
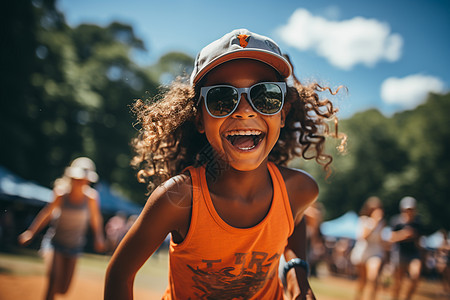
x=168, y=140
x=370, y=205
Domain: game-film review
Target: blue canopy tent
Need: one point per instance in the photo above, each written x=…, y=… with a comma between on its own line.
x=111, y=202
x=13, y=188
x=345, y=226
x=436, y=240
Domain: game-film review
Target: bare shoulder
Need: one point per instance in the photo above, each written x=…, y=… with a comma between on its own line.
x=57, y=201
x=299, y=182
x=176, y=192
x=170, y=205
x=302, y=189
x=91, y=193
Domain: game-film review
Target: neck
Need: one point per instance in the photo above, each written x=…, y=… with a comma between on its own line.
x=228, y=182
x=77, y=191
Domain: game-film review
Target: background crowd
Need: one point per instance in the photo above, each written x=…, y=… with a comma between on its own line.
x=68, y=92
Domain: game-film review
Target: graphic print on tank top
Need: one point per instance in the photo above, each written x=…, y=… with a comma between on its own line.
x=248, y=275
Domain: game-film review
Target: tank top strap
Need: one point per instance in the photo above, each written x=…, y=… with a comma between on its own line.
x=276, y=175
x=195, y=174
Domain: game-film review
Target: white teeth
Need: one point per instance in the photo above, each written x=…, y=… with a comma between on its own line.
x=248, y=148
x=243, y=132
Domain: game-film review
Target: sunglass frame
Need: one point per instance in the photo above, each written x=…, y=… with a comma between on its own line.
x=246, y=90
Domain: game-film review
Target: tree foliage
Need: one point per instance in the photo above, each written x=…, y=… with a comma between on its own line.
x=66, y=92
x=403, y=155
x=71, y=97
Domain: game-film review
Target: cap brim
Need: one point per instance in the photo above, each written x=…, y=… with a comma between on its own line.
x=79, y=173
x=277, y=62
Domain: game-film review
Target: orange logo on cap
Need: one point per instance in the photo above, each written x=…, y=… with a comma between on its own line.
x=243, y=40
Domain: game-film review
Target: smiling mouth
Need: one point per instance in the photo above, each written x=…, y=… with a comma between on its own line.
x=244, y=139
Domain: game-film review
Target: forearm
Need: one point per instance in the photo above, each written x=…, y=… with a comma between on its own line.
x=97, y=228
x=118, y=286
x=41, y=220
x=401, y=235
x=96, y=225
x=297, y=284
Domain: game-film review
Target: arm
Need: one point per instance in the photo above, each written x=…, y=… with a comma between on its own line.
x=96, y=221
x=297, y=284
x=404, y=234
x=302, y=191
x=167, y=210
x=375, y=218
x=42, y=219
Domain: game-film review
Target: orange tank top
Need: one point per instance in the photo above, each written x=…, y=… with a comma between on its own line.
x=219, y=261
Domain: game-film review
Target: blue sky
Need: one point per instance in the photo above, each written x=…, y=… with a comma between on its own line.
x=389, y=54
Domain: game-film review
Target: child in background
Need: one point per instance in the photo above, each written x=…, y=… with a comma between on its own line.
x=369, y=251
x=75, y=205
x=236, y=208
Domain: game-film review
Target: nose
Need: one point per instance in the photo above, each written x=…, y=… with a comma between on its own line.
x=244, y=109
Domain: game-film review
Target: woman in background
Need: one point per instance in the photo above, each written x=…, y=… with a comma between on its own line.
x=74, y=206
x=368, y=253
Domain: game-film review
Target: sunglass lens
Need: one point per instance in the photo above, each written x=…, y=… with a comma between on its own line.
x=221, y=100
x=267, y=98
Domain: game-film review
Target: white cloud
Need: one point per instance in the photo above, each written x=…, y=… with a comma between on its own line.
x=343, y=43
x=411, y=90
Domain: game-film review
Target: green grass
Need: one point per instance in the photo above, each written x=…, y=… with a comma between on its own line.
x=153, y=274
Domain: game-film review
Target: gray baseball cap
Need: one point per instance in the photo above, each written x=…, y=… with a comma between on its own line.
x=407, y=203
x=239, y=43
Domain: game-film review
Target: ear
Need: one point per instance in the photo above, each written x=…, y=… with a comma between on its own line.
x=199, y=121
x=284, y=112
x=283, y=115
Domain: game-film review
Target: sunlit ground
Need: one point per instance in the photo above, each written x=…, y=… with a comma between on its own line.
x=22, y=276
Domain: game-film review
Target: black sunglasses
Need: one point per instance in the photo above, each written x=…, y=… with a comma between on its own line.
x=266, y=98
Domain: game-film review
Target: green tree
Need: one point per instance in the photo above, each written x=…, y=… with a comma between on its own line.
x=29, y=124
x=68, y=94
x=425, y=134
x=171, y=65
x=392, y=157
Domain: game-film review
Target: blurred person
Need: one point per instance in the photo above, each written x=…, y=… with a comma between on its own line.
x=74, y=207
x=115, y=230
x=368, y=254
x=130, y=222
x=232, y=206
x=315, y=239
x=406, y=256
x=443, y=263
x=340, y=256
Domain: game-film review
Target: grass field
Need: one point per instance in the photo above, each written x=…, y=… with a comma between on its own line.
x=22, y=276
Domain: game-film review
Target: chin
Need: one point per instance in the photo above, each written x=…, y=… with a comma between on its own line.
x=246, y=166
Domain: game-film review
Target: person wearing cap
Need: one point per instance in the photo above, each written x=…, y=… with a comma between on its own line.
x=406, y=232
x=73, y=209
x=216, y=147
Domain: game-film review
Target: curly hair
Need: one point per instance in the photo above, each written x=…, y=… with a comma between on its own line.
x=168, y=140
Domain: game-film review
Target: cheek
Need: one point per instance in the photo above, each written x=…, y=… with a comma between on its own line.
x=210, y=127
x=199, y=122
x=275, y=125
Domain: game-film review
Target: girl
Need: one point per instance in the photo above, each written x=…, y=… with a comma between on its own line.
x=75, y=203
x=369, y=251
x=236, y=209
